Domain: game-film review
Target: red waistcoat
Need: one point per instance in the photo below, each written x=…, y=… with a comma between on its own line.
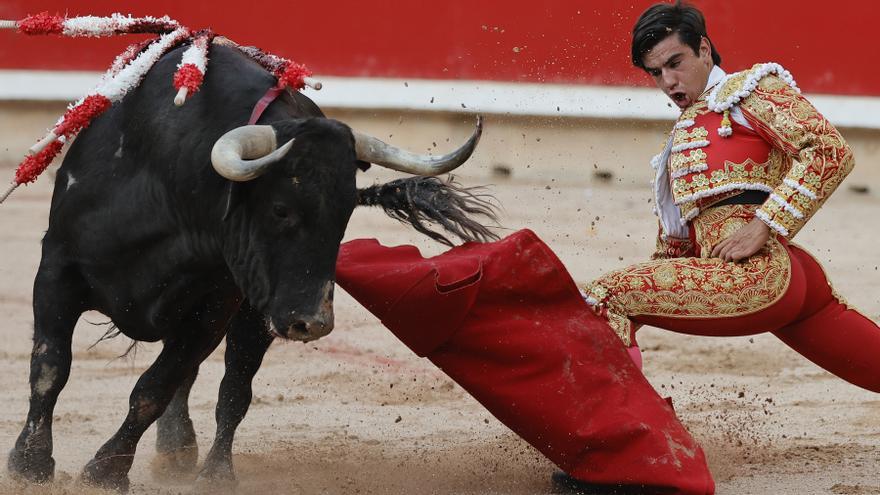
x=706, y=167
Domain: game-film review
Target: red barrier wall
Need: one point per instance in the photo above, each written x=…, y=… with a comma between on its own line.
x=570, y=41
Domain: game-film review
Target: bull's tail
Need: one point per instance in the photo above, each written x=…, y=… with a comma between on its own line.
x=426, y=201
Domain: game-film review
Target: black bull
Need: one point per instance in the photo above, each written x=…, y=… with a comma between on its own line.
x=143, y=229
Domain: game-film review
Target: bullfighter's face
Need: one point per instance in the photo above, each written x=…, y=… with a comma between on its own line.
x=679, y=72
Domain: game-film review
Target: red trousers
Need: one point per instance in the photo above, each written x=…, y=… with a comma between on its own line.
x=781, y=289
x=507, y=323
x=810, y=319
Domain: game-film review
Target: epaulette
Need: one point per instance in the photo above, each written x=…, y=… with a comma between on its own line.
x=735, y=87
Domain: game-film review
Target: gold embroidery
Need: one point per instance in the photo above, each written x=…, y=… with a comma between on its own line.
x=682, y=161
x=665, y=277
x=790, y=123
x=696, y=287
x=691, y=187
x=778, y=214
x=733, y=85
x=692, y=111
x=622, y=326
x=599, y=292
x=684, y=136
x=694, y=190
x=716, y=224
x=672, y=247
x=773, y=83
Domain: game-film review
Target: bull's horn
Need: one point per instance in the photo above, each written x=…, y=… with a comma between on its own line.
x=245, y=152
x=370, y=149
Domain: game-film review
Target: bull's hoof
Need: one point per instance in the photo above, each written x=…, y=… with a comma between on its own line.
x=217, y=471
x=109, y=473
x=35, y=467
x=216, y=476
x=174, y=464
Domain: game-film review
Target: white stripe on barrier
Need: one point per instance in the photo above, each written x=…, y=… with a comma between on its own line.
x=486, y=97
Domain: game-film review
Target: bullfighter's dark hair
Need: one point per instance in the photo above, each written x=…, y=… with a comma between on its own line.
x=661, y=20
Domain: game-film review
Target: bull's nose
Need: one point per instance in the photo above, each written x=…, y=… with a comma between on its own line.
x=304, y=330
x=298, y=328
x=308, y=326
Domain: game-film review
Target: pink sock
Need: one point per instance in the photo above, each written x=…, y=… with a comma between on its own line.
x=636, y=354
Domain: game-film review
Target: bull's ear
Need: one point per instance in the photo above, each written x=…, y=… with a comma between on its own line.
x=233, y=196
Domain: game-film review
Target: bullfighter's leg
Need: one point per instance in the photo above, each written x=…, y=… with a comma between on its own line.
x=57, y=306
x=832, y=334
x=703, y=296
x=176, y=448
x=246, y=344
x=781, y=289
x=180, y=358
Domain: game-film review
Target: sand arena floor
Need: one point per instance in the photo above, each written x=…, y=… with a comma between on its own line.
x=357, y=412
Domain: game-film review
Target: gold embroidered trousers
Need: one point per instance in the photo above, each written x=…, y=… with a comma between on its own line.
x=781, y=289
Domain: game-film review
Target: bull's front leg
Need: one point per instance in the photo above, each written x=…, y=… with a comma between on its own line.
x=179, y=360
x=246, y=343
x=57, y=306
x=177, y=451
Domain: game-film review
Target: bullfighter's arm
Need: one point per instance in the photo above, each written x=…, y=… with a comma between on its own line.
x=789, y=122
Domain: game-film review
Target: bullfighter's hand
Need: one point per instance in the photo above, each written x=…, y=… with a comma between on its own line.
x=745, y=242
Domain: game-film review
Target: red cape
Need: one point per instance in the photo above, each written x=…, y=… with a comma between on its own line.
x=506, y=322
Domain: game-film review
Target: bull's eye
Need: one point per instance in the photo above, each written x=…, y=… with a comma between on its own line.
x=279, y=210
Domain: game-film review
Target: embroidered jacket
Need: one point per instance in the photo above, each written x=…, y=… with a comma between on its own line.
x=782, y=146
